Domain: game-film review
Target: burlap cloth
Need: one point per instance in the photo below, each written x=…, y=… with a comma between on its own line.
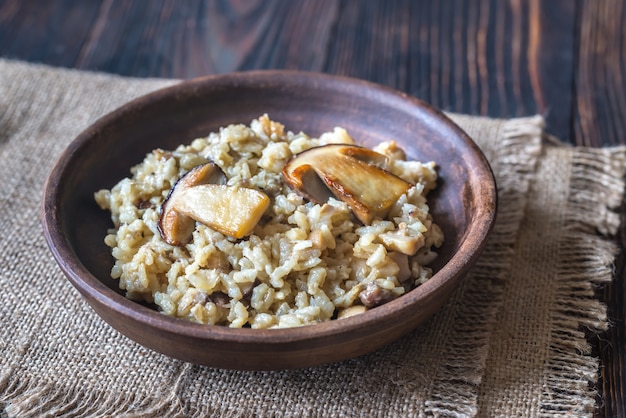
x=512, y=341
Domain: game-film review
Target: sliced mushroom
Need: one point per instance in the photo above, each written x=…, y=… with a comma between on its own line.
x=353, y=174
x=176, y=228
x=231, y=210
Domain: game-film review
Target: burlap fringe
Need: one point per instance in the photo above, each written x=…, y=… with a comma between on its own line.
x=454, y=390
x=596, y=187
x=25, y=398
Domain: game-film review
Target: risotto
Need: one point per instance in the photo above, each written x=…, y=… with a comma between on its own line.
x=302, y=260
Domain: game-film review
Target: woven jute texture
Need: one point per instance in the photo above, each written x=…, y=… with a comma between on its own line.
x=511, y=342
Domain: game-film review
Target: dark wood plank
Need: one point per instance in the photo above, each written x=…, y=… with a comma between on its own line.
x=600, y=120
x=49, y=32
x=194, y=38
x=500, y=59
x=143, y=39
x=600, y=113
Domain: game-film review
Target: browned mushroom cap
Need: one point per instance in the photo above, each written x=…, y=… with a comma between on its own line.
x=353, y=174
x=176, y=228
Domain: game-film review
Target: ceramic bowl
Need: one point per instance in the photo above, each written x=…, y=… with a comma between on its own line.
x=464, y=205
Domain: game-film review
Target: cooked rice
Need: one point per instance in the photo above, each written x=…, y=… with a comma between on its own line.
x=304, y=263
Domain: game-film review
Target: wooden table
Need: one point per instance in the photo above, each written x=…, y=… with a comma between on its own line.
x=564, y=59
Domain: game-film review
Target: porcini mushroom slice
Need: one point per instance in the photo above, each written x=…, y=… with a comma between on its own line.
x=353, y=174
x=176, y=228
x=231, y=210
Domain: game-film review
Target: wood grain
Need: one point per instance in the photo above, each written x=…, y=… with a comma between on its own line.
x=481, y=57
x=194, y=38
x=600, y=119
x=48, y=32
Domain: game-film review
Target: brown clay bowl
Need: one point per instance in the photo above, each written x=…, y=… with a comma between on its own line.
x=464, y=205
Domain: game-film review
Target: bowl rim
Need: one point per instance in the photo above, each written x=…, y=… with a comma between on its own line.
x=92, y=288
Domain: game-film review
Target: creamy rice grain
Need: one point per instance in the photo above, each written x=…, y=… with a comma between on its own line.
x=302, y=264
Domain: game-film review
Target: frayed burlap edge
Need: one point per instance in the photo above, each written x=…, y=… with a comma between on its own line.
x=513, y=157
x=33, y=398
x=587, y=256
x=540, y=361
